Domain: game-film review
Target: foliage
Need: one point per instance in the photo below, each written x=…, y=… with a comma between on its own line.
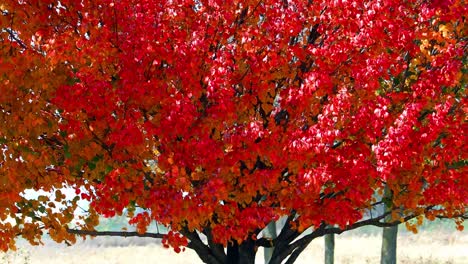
x=221, y=116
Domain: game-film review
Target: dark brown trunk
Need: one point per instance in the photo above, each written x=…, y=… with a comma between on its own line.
x=241, y=254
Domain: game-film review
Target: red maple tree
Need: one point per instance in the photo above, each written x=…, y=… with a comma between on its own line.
x=218, y=117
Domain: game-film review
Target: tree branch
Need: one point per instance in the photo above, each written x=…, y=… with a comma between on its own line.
x=294, y=249
x=113, y=233
x=296, y=254
x=217, y=249
x=286, y=235
x=202, y=250
x=281, y=243
x=298, y=246
x=13, y=37
x=335, y=230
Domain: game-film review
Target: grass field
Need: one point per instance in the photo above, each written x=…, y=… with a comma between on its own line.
x=427, y=247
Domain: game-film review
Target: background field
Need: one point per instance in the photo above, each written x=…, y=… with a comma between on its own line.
x=436, y=243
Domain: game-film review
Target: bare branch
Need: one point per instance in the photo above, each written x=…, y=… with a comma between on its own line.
x=217, y=249
x=113, y=233
x=295, y=248
x=296, y=254
x=13, y=37
x=202, y=250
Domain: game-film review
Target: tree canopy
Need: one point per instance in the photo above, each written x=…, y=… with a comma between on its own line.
x=218, y=117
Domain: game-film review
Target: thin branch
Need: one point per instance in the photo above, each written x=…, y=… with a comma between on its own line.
x=376, y=203
x=462, y=216
x=113, y=233
x=98, y=140
x=13, y=37
x=87, y=211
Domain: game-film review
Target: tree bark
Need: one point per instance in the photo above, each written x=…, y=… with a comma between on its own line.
x=329, y=248
x=233, y=253
x=389, y=245
x=388, y=254
x=241, y=254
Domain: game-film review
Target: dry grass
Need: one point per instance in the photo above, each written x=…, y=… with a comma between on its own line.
x=427, y=248
x=424, y=248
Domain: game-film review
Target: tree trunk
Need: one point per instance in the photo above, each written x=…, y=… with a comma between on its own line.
x=241, y=254
x=270, y=231
x=389, y=245
x=388, y=254
x=329, y=248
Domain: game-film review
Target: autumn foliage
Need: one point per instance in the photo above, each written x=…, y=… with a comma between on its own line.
x=221, y=116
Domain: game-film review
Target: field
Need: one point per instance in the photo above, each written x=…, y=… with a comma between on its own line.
x=428, y=247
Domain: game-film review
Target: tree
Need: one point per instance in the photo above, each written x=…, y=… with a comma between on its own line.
x=388, y=252
x=329, y=248
x=389, y=245
x=219, y=117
